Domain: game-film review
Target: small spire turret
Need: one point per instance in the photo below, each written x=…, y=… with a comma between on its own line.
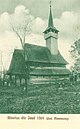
x=50, y=22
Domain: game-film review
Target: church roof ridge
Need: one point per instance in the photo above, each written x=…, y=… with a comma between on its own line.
x=36, y=50
x=35, y=45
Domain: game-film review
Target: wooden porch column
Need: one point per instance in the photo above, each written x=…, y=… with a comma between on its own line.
x=20, y=79
x=15, y=80
x=10, y=79
x=28, y=73
x=26, y=85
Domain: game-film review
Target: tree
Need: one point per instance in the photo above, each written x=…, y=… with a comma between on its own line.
x=21, y=24
x=75, y=54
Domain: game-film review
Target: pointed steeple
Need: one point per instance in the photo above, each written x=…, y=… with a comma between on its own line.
x=50, y=22
x=51, y=26
x=51, y=35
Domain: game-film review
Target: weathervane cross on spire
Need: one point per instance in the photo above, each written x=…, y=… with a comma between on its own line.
x=50, y=3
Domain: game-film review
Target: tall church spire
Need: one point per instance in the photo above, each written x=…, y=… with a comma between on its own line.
x=51, y=26
x=51, y=35
x=50, y=22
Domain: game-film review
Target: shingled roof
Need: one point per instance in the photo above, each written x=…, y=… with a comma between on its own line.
x=42, y=54
x=33, y=53
x=17, y=65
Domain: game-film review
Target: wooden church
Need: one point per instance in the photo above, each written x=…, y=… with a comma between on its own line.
x=38, y=61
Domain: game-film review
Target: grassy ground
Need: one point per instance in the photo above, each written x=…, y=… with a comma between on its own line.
x=56, y=98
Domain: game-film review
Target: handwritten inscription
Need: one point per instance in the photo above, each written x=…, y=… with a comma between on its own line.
x=40, y=117
x=35, y=117
x=49, y=118
x=13, y=117
x=31, y=117
x=61, y=118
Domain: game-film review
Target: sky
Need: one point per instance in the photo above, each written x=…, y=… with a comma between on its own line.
x=66, y=18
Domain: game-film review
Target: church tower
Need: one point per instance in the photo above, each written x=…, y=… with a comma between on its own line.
x=51, y=35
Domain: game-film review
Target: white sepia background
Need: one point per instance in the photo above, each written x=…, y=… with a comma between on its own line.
x=74, y=122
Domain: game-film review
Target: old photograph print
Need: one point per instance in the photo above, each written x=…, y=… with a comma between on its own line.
x=39, y=57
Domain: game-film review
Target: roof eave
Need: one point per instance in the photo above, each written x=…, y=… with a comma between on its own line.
x=51, y=28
